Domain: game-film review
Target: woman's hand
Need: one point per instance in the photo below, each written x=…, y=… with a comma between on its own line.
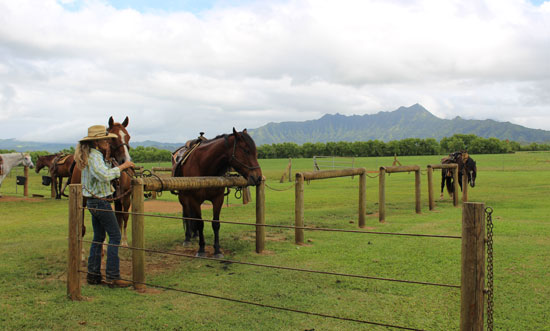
x=126, y=165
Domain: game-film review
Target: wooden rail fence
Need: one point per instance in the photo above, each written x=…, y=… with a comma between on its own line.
x=382, y=188
x=323, y=174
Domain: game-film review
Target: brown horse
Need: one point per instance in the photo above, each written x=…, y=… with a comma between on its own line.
x=44, y=161
x=60, y=168
x=119, y=151
x=213, y=158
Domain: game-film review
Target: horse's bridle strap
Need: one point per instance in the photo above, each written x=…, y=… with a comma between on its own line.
x=238, y=161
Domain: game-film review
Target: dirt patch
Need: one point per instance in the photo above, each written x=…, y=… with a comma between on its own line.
x=11, y=199
x=155, y=264
x=159, y=206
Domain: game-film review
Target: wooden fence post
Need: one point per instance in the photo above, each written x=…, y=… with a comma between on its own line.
x=260, y=216
x=382, y=195
x=455, y=192
x=26, y=185
x=75, y=245
x=418, y=204
x=138, y=241
x=464, y=185
x=473, y=266
x=362, y=198
x=299, y=209
x=431, y=201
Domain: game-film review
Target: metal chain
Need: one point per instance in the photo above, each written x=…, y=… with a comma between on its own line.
x=490, y=302
x=279, y=190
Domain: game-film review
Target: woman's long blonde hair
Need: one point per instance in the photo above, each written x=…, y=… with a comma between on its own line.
x=82, y=152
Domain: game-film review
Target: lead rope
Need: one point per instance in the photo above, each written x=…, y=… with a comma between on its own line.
x=490, y=302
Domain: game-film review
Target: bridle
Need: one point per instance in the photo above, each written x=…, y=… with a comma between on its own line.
x=233, y=157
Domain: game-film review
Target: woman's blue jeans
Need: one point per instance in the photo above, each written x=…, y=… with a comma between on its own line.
x=104, y=222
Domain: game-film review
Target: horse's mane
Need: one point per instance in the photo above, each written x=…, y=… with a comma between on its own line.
x=245, y=135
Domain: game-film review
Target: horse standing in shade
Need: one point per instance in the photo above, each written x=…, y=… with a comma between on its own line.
x=213, y=158
x=119, y=153
x=465, y=165
x=10, y=160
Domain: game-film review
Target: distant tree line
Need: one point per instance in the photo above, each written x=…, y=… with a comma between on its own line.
x=410, y=146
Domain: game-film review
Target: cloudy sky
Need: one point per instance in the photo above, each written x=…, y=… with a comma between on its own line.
x=178, y=67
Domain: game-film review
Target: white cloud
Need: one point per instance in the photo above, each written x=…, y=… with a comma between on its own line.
x=176, y=73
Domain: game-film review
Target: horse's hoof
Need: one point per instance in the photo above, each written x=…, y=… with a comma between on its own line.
x=218, y=256
x=200, y=254
x=187, y=243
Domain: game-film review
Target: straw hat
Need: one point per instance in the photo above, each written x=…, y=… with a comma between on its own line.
x=98, y=132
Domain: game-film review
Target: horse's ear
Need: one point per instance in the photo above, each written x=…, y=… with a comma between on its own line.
x=111, y=122
x=125, y=123
x=244, y=131
x=237, y=135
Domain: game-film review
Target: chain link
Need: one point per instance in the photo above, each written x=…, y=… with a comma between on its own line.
x=489, y=213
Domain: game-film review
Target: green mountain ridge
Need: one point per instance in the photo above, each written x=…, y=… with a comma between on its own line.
x=405, y=122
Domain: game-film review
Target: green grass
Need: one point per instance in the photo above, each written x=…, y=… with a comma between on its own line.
x=33, y=250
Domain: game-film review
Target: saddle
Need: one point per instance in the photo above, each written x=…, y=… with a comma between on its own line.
x=61, y=159
x=456, y=157
x=181, y=154
x=1, y=166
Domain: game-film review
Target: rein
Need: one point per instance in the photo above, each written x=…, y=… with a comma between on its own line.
x=233, y=157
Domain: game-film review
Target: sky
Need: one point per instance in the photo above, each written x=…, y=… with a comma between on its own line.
x=178, y=67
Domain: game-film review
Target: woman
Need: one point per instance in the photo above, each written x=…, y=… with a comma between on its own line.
x=90, y=155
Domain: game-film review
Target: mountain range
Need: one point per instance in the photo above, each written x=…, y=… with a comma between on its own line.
x=405, y=122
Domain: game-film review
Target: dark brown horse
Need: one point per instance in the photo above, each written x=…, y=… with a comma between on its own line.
x=44, y=161
x=465, y=165
x=214, y=158
x=61, y=168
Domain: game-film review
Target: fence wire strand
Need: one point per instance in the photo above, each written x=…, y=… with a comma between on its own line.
x=149, y=250
x=347, y=319
x=284, y=226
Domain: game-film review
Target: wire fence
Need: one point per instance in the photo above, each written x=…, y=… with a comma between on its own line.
x=277, y=267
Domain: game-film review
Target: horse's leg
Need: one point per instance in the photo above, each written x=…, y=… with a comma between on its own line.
x=58, y=194
x=216, y=209
x=54, y=183
x=199, y=225
x=125, y=217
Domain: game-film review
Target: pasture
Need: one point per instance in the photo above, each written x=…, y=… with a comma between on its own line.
x=33, y=253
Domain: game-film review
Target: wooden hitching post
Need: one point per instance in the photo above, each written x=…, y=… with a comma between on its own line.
x=289, y=169
x=473, y=266
x=138, y=241
x=431, y=201
x=260, y=216
x=75, y=245
x=382, y=195
x=52, y=188
x=455, y=192
x=299, y=209
x=464, y=185
x=26, y=186
x=362, y=198
x=418, y=205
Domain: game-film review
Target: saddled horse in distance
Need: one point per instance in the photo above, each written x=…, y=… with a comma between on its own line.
x=59, y=166
x=214, y=158
x=465, y=165
x=10, y=160
x=119, y=153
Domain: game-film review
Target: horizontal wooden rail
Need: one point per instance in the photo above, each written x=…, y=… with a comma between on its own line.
x=161, y=169
x=312, y=175
x=188, y=183
x=390, y=170
x=443, y=166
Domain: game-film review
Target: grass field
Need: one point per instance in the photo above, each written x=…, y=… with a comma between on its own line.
x=33, y=252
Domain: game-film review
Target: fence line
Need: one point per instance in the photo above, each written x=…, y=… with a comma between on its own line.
x=472, y=271
x=285, y=226
x=382, y=188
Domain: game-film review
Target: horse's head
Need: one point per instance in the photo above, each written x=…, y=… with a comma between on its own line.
x=27, y=161
x=120, y=147
x=244, y=158
x=40, y=163
x=471, y=169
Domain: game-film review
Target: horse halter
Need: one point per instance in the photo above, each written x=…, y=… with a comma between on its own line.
x=233, y=157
